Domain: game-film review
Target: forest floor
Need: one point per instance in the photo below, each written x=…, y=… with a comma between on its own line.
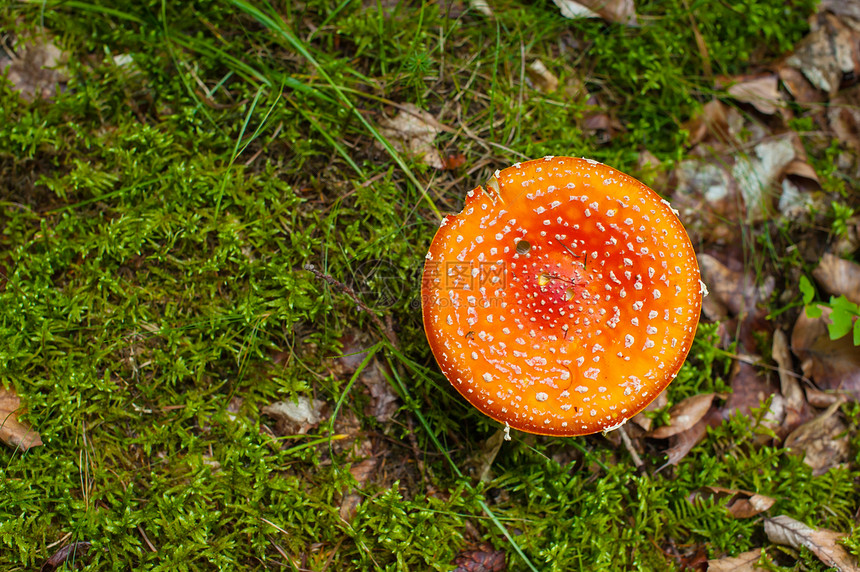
x=213, y=222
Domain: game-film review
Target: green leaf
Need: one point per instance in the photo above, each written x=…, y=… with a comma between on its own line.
x=841, y=317
x=807, y=289
x=857, y=332
x=813, y=311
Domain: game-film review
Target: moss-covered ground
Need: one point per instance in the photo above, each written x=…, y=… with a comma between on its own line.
x=157, y=214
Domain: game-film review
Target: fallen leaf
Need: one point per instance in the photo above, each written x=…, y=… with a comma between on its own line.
x=35, y=69
x=850, y=8
x=708, y=200
x=684, y=415
x=454, y=161
x=737, y=292
x=743, y=562
x=361, y=472
x=821, y=542
x=682, y=443
x=482, y=6
x=482, y=559
x=833, y=364
x=822, y=441
x=843, y=117
x=789, y=385
x=295, y=417
x=824, y=55
x=482, y=461
x=617, y=11
x=758, y=173
x=413, y=131
x=710, y=125
x=839, y=277
x=13, y=432
x=750, y=389
x=384, y=402
x=643, y=420
x=544, y=80
x=741, y=503
x=824, y=399
x=760, y=92
x=71, y=553
x=800, y=88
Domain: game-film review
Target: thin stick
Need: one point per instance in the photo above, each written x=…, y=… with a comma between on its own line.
x=332, y=281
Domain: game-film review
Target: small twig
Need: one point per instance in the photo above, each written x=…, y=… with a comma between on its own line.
x=628, y=444
x=332, y=281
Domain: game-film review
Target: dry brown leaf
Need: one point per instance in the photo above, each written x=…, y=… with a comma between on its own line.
x=361, y=472
x=413, y=131
x=737, y=292
x=799, y=87
x=795, y=404
x=824, y=399
x=843, y=116
x=839, y=277
x=761, y=92
x=13, y=432
x=833, y=364
x=824, y=55
x=643, y=420
x=821, y=542
x=683, y=443
x=617, y=11
x=711, y=125
x=850, y=8
x=36, y=69
x=544, y=80
x=684, y=415
x=758, y=173
x=295, y=417
x=707, y=198
x=822, y=440
x=750, y=389
x=741, y=503
x=744, y=562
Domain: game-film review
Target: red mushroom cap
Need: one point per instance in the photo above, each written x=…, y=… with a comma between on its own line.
x=563, y=299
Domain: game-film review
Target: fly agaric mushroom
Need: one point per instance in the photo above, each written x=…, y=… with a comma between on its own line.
x=563, y=299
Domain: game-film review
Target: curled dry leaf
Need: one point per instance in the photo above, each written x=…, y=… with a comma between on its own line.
x=544, y=80
x=12, y=431
x=413, y=131
x=743, y=562
x=616, y=11
x=833, y=364
x=822, y=440
x=839, y=277
x=684, y=415
x=821, y=542
x=295, y=417
x=760, y=92
x=683, y=443
x=741, y=504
